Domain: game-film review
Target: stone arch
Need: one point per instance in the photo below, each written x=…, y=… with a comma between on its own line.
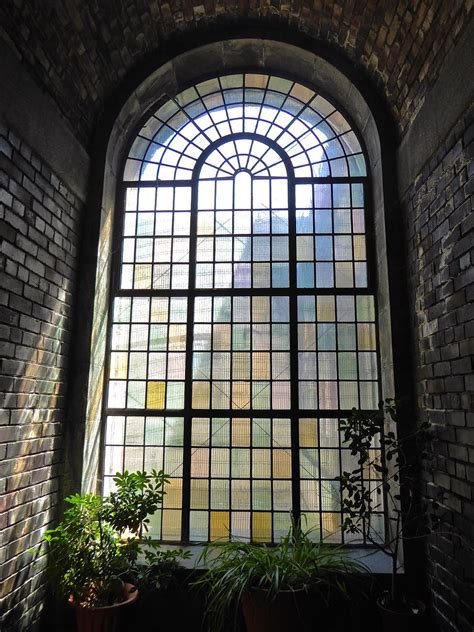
x=233, y=55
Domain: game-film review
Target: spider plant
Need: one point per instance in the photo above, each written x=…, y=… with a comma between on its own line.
x=296, y=564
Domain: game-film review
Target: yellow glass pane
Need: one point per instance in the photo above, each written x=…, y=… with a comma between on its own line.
x=366, y=336
x=155, y=397
x=201, y=395
x=261, y=366
x=359, y=248
x=308, y=433
x=241, y=432
x=118, y=366
x=240, y=395
x=220, y=526
x=199, y=494
x=281, y=464
x=174, y=494
x=326, y=309
x=171, y=525
x=261, y=526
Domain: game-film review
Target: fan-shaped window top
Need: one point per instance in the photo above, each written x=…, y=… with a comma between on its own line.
x=315, y=136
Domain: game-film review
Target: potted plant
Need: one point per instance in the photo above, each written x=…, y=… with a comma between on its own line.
x=385, y=477
x=95, y=553
x=280, y=588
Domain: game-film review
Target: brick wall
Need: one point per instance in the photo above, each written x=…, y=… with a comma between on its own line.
x=81, y=51
x=38, y=250
x=439, y=210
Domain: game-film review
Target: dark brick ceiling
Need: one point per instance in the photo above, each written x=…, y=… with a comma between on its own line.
x=81, y=50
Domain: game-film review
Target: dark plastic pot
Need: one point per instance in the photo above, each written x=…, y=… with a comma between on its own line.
x=412, y=619
x=287, y=612
x=106, y=619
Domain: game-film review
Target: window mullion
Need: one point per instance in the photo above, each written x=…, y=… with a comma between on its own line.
x=295, y=465
x=186, y=501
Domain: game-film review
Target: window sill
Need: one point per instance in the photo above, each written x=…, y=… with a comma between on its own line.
x=376, y=561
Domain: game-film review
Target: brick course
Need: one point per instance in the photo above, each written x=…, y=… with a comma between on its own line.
x=439, y=215
x=81, y=51
x=38, y=251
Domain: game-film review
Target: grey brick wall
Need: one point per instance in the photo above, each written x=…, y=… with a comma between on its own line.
x=400, y=45
x=38, y=259
x=439, y=210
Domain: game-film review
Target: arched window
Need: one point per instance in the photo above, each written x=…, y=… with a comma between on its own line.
x=243, y=324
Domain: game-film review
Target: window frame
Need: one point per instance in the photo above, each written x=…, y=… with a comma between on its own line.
x=292, y=291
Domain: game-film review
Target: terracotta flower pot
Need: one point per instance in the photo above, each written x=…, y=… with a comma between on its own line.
x=412, y=619
x=108, y=618
x=287, y=612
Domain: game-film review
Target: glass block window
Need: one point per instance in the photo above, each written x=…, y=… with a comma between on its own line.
x=243, y=321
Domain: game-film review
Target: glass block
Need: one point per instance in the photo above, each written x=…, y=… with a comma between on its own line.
x=280, y=308
x=198, y=526
x=304, y=248
x=367, y=365
x=360, y=274
x=154, y=429
x=117, y=394
x=113, y=460
x=156, y=365
x=366, y=336
x=308, y=395
x=135, y=431
x=328, y=395
x=118, y=365
x=241, y=398
x=115, y=427
x=281, y=463
x=133, y=459
x=307, y=337
x=220, y=432
x=348, y=395
x=171, y=525
x=137, y=366
x=175, y=395
x=305, y=275
x=347, y=366
x=307, y=369
x=281, y=395
x=306, y=308
x=200, y=395
x=219, y=494
x=280, y=337
x=304, y=221
x=153, y=458
x=240, y=494
x=323, y=221
x=309, y=495
x=365, y=309
x=308, y=433
x=158, y=339
x=330, y=495
x=261, y=432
